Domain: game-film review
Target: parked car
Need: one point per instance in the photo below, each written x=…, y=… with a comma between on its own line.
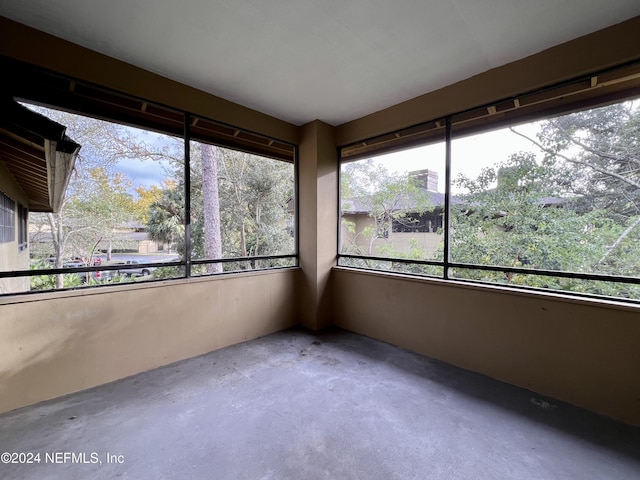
x=137, y=269
x=100, y=276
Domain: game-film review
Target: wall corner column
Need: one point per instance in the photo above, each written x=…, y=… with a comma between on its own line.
x=318, y=222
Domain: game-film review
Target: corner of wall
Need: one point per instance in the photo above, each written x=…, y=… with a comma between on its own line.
x=318, y=217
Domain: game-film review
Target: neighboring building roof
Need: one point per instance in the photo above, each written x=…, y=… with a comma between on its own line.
x=361, y=205
x=134, y=225
x=137, y=236
x=38, y=154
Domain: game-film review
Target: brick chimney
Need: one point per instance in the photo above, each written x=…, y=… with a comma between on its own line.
x=427, y=179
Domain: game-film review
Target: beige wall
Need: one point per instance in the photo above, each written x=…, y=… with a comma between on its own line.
x=318, y=222
x=58, y=343
x=582, y=352
x=10, y=257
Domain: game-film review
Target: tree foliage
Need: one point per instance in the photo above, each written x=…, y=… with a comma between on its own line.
x=166, y=217
x=572, y=205
x=255, y=195
x=521, y=222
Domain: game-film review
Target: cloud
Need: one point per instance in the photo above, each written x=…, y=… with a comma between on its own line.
x=146, y=173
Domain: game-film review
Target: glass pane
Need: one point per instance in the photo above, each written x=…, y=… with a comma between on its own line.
x=559, y=194
x=242, y=205
x=392, y=206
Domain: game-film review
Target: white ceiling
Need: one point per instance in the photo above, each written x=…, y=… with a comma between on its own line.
x=333, y=60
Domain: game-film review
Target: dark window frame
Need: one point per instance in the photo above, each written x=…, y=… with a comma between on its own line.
x=602, y=88
x=49, y=89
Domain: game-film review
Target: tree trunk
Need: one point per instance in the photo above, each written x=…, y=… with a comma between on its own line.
x=211, y=200
x=56, y=238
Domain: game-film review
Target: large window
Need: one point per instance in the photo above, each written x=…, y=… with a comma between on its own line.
x=106, y=228
x=173, y=196
x=558, y=196
x=7, y=219
x=242, y=209
x=549, y=204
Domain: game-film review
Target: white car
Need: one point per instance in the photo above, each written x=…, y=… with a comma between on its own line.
x=140, y=270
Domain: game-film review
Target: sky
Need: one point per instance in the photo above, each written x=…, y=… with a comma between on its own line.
x=140, y=171
x=147, y=173
x=469, y=155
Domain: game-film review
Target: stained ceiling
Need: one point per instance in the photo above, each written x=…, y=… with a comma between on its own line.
x=333, y=60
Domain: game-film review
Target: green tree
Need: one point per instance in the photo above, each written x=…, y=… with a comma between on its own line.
x=99, y=210
x=166, y=217
x=522, y=222
x=253, y=194
x=597, y=157
x=572, y=206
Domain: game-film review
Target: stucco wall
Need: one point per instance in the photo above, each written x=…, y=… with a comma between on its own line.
x=402, y=242
x=318, y=219
x=58, y=343
x=583, y=352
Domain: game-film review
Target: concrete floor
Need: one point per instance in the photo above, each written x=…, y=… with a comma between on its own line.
x=332, y=405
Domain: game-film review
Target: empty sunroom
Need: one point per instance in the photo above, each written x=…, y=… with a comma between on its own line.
x=511, y=266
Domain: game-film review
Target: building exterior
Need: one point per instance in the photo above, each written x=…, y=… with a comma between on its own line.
x=36, y=162
x=404, y=230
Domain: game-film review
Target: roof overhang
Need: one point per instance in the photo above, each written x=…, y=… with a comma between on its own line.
x=38, y=154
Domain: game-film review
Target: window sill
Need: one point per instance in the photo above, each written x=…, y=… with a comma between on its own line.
x=549, y=296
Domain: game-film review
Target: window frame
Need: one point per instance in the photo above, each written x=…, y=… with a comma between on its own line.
x=39, y=86
x=591, y=91
x=7, y=219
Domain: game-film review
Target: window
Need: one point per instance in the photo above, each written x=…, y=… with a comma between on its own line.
x=549, y=204
x=428, y=222
x=23, y=225
x=155, y=193
x=122, y=217
x=7, y=219
x=560, y=195
x=240, y=210
x=392, y=209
